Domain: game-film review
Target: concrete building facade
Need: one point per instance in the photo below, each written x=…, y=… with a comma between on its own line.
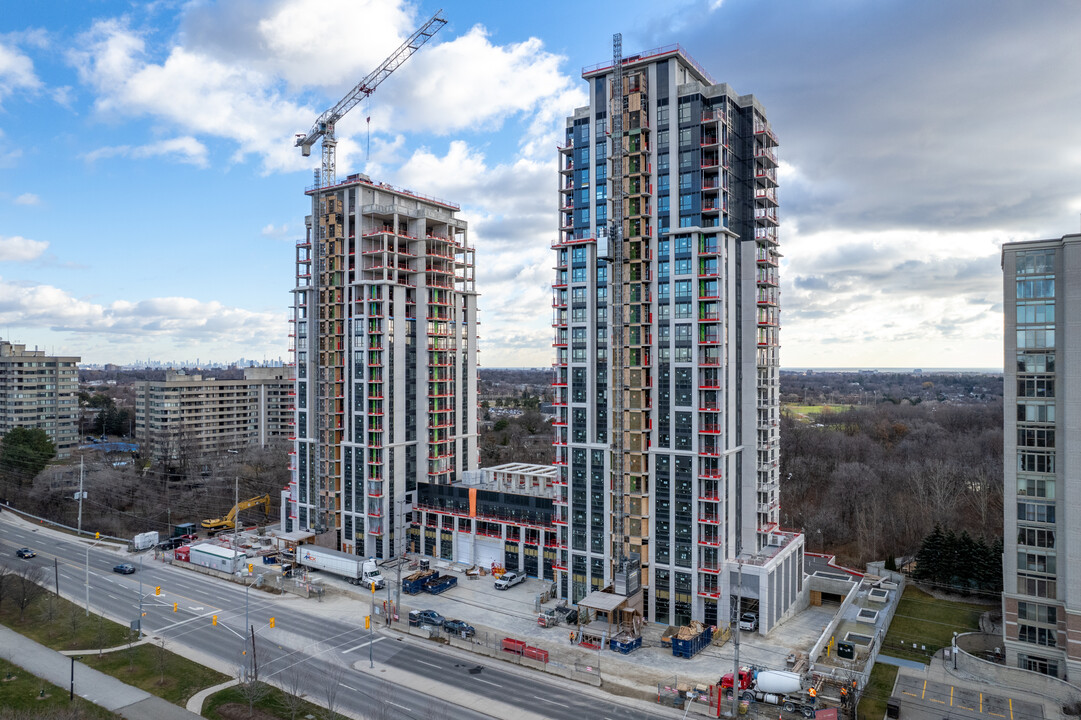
x=192, y=415
x=699, y=317
x=385, y=319
x=1041, y=599
x=40, y=391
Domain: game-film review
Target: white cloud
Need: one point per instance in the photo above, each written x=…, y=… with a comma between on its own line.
x=183, y=149
x=235, y=68
x=16, y=72
x=511, y=210
x=28, y=199
x=270, y=230
x=933, y=298
x=20, y=249
x=179, y=318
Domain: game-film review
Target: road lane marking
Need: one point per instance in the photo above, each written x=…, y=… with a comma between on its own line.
x=995, y=714
x=1011, y=707
x=488, y=682
x=940, y=702
x=349, y=688
x=924, y=690
x=981, y=702
x=437, y=667
x=403, y=707
x=364, y=644
x=906, y=692
x=552, y=702
x=951, y=695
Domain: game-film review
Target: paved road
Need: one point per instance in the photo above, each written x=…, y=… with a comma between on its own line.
x=935, y=700
x=313, y=648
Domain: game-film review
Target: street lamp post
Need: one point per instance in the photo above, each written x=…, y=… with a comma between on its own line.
x=88, y=576
x=71, y=695
x=258, y=583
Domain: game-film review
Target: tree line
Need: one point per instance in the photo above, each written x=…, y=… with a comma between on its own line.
x=872, y=482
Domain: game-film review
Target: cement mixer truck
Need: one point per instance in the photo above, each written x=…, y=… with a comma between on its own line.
x=772, y=686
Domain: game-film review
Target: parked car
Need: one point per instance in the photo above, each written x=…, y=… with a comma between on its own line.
x=124, y=569
x=748, y=622
x=459, y=627
x=25, y=553
x=509, y=580
x=428, y=617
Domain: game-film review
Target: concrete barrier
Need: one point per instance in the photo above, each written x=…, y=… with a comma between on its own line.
x=1023, y=681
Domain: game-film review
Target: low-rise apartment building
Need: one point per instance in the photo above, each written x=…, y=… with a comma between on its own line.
x=193, y=415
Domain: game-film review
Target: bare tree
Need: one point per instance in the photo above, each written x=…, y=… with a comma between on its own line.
x=99, y=631
x=437, y=709
x=161, y=655
x=7, y=574
x=251, y=689
x=294, y=680
x=332, y=684
x=28, y=587
x=49, y=610
x=75, y=616
x=132, y=637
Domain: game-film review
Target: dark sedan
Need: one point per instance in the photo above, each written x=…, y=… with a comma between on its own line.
x=25, y=553
x=459, y=627
x=124, y=569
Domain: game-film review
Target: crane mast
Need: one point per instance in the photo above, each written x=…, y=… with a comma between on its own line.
x=619, y=312
x=324, y=124
x=326, y=294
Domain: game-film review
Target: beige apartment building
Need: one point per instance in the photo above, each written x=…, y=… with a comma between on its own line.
x=196, y=415
x=39, y=391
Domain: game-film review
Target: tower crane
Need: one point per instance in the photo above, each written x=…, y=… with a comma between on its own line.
x=324, y=124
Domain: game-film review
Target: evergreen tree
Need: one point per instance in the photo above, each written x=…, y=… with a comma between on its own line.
x=24, y=452
x=930, y=556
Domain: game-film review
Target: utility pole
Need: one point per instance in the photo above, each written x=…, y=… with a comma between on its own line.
x=254, y=662
x=80, y=496
x=236, y=502
x=735, y=643
x=371, y=630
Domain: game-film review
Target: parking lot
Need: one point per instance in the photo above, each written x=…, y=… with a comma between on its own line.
x=512, y=613
x=928, y=700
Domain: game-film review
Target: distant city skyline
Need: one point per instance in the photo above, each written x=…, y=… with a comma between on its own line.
x=151, y=195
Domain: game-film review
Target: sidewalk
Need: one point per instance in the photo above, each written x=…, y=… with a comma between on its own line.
x=101, y=689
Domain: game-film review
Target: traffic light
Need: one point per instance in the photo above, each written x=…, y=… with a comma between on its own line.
x=174, y=607
x=251, y=567
x=271, y=622
x=214, y=620
x=157, y=589
x=367, y=622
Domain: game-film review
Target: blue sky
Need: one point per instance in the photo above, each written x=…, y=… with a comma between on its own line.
x=150, y=195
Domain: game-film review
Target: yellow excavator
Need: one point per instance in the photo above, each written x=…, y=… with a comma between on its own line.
x=229, y=521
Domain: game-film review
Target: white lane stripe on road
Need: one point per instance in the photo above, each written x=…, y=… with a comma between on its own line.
x=363, y=644
x=437, y=667
x=488, y=682
x=403, y=707
x=553, y=702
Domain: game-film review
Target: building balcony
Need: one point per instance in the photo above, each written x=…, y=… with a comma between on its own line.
x=767, y=154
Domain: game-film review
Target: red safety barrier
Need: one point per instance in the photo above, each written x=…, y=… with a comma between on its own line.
x=513, y=646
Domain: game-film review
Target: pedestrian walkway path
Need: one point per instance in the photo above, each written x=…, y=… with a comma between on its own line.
x=195, y=704
x=901, y=662
x=96, y=687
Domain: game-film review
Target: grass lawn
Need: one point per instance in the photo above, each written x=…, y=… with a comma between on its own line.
x=183, y=678
x=806, y=411
x=873, y=702
x=20, y=695
x=928, y=622
x=231, y=703
x=61, y=625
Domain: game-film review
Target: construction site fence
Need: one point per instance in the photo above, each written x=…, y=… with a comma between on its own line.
x=489, y=644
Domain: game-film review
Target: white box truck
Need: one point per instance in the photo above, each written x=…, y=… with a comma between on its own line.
x=355, y=569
